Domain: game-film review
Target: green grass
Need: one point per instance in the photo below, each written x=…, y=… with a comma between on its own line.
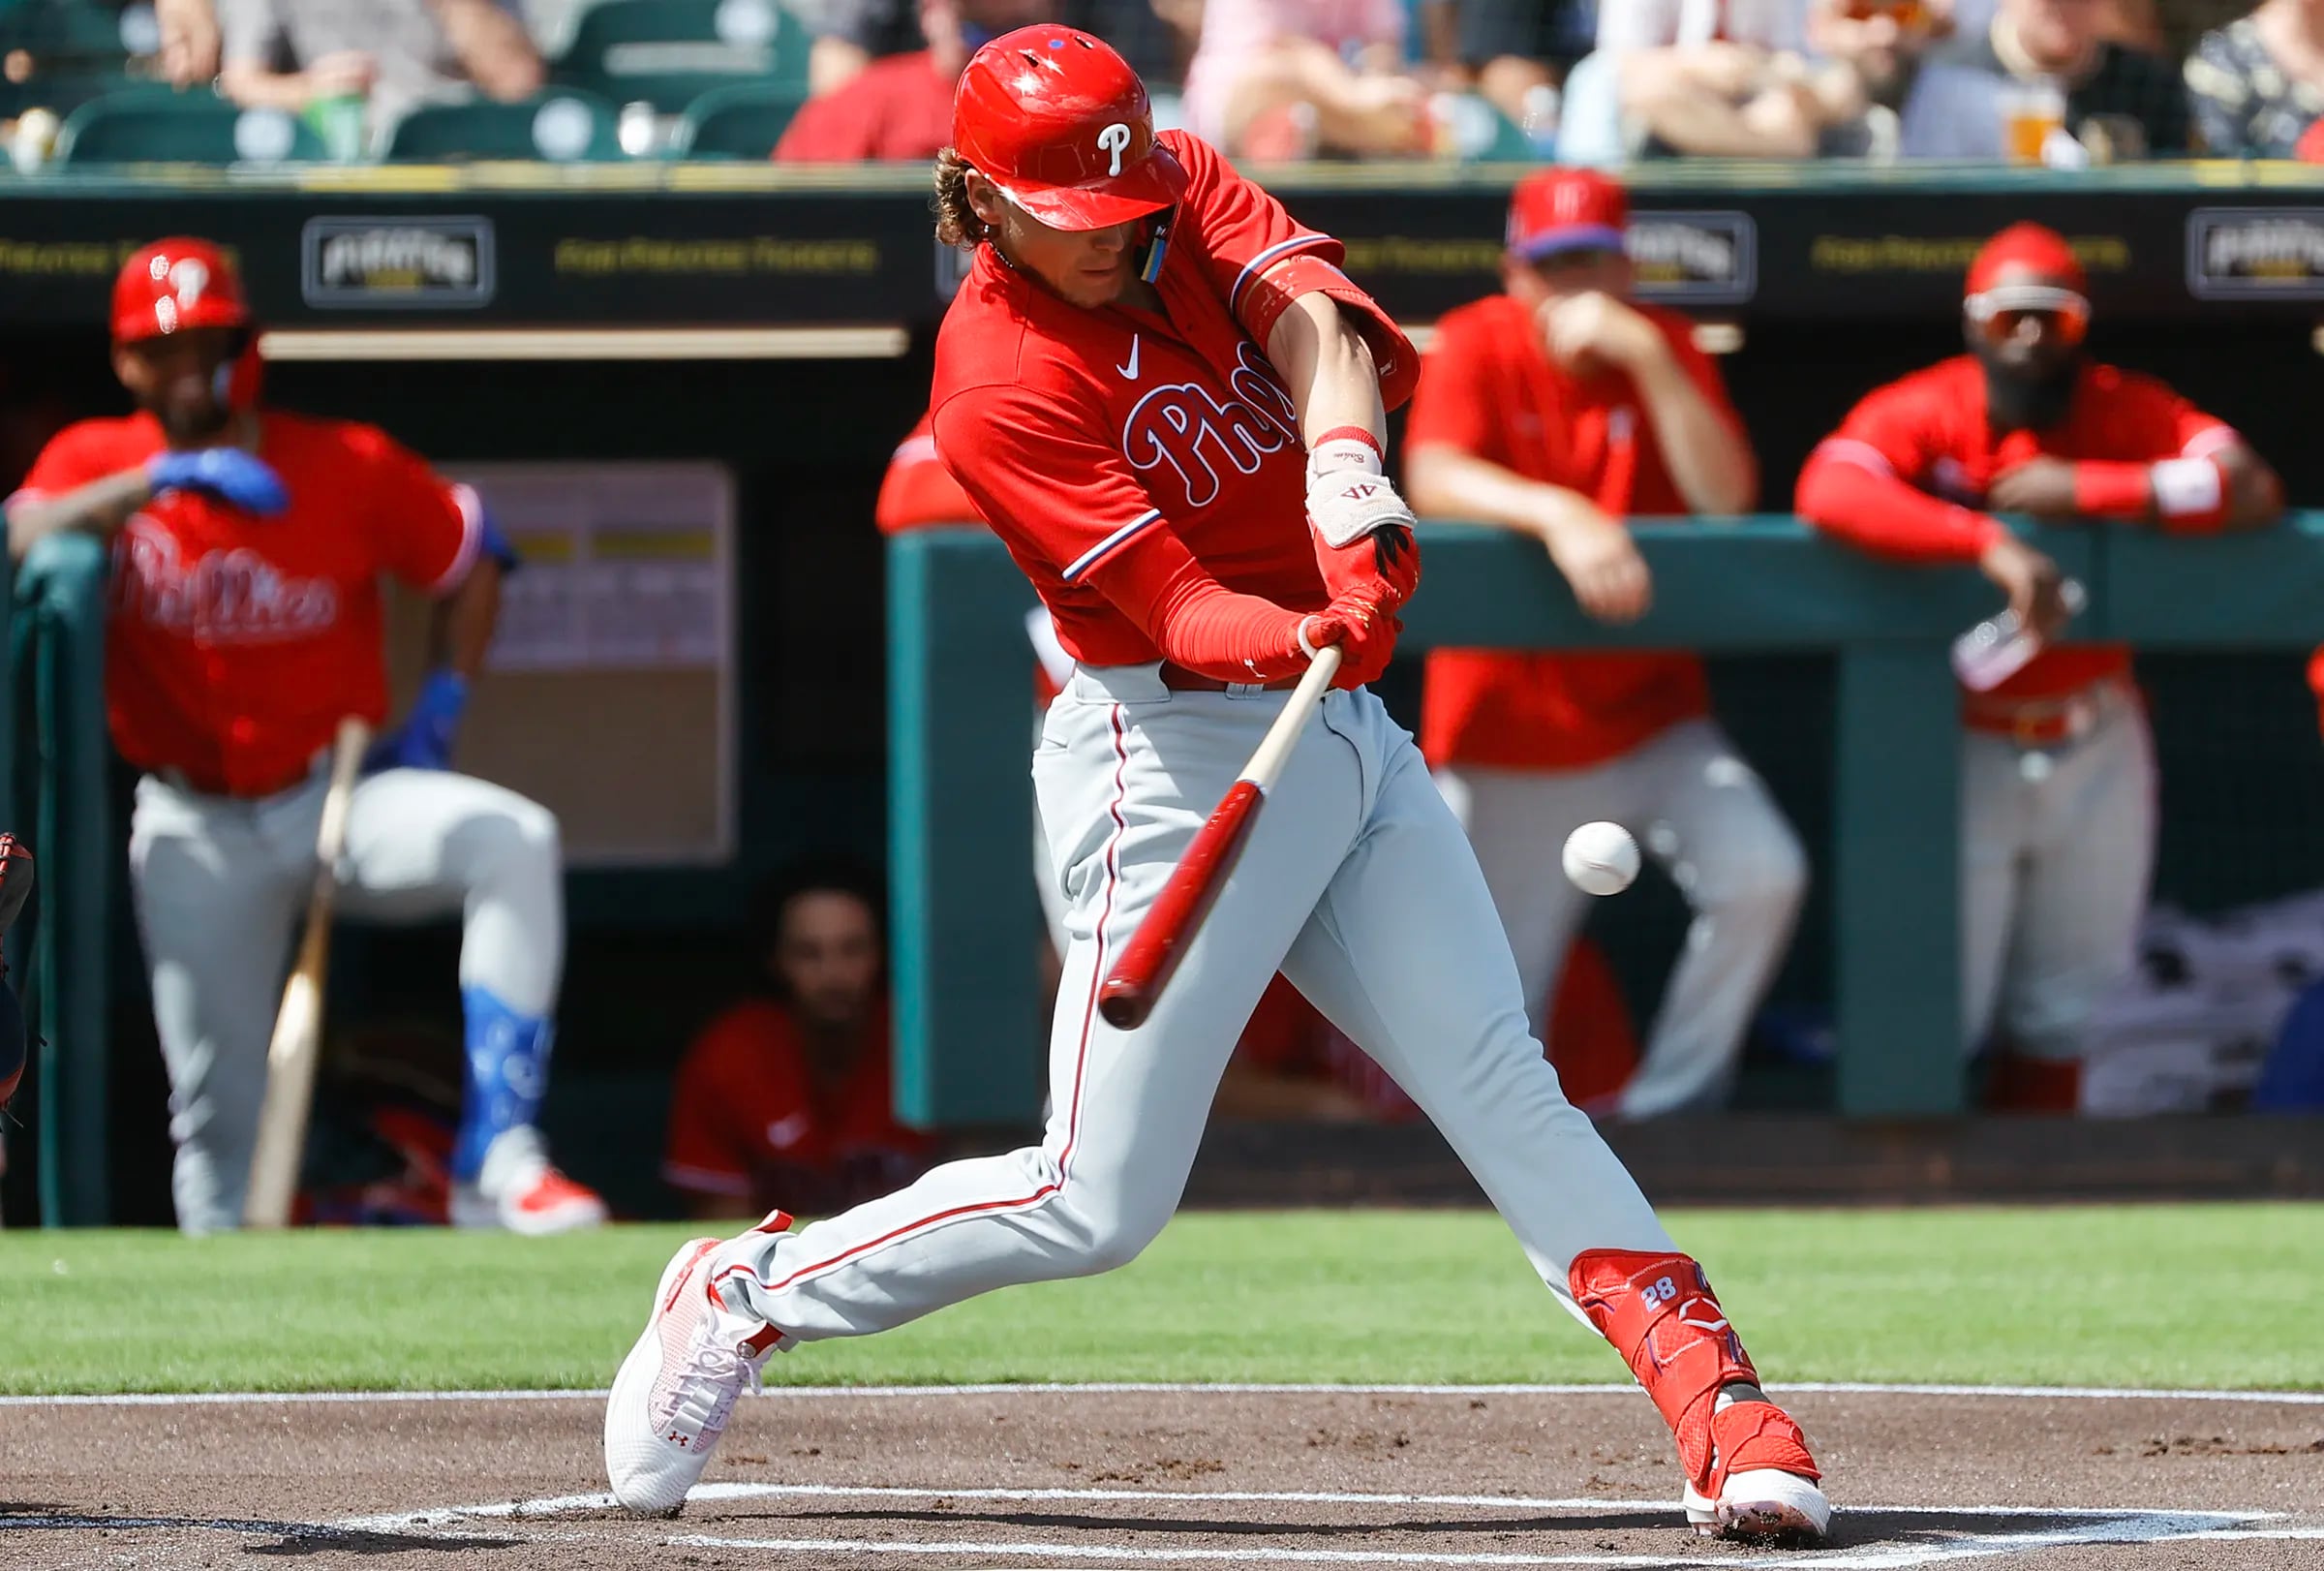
x=2211, y=1296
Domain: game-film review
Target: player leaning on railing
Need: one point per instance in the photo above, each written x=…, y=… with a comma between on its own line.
x=248, y=546
x=2058, y=803
x=1168, y=399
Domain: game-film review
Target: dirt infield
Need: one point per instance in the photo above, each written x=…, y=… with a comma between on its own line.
x=1153, y=1478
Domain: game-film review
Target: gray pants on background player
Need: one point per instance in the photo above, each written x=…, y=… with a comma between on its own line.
x=1705, y=817
x=221, y=884
x=2057, y=846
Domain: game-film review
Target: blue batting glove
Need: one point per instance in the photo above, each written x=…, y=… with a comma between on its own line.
x=424, y=740
x=233, y=476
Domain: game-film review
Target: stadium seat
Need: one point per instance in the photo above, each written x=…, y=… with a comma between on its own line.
x=157, y=125
x=670, y=52
x=1482, y=133
x=66, y=34
x=559, y=126
x=61, y=92
x=75, y=52
x=744, y=121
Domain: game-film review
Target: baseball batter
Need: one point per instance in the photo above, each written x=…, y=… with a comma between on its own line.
x=1561, y=410
x=248, y=545
x=1167, y=399
x=2057, y=762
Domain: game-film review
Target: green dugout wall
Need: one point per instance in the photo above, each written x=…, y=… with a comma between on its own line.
x=960, y=796
x=965, y=914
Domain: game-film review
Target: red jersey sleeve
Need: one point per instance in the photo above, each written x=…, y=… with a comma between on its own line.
x=918, y=491
x=1454, y=406
x=707, y=1150
x=1864, y=483
x=1259, y=259
x=2151, y=422
x=424, y=529
x=84, y=451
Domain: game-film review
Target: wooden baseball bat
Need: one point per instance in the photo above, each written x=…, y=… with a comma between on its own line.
x=297, y=1041
x=1135, y=982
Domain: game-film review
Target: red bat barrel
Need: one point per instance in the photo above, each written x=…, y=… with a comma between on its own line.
x=1154, y=950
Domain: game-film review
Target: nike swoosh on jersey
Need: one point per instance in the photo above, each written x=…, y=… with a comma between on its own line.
x=1129, y=372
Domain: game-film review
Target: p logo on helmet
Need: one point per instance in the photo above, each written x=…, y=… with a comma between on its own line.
x=184, y=283
x=1114, y=139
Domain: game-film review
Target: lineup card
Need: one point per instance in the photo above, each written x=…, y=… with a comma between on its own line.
x=625, y=566
x=609, y=689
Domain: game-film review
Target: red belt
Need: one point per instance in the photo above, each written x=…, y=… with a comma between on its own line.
x=1178, y=679
x=2039, y=722
x=200, y=786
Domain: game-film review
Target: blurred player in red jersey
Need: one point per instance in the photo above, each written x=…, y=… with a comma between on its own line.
x=2057, y=762
x=1168, y=400
x=790, y=1090
x=1562, y=410
x=248, y=545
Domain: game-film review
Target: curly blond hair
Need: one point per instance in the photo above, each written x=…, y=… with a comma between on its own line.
x=956, y=223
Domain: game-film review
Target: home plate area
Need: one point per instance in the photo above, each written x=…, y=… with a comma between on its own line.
x=1059, y=1478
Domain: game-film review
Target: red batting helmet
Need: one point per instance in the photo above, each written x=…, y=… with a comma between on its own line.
x=1063, y=125
x=181, y=282
x=2001, y=281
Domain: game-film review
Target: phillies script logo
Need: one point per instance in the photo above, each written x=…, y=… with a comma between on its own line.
x=235, y=597
x=1198, y=435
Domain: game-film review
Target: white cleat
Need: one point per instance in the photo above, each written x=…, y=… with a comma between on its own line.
x=678, y=1386
x=1763, y=1505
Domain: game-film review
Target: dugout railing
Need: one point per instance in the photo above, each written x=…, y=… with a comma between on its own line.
x=960, y=794
x=60, y=952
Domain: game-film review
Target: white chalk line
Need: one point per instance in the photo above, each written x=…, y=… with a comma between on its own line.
x=743, y=1490
x=2159, y=1527
x=2090, y=1526
x=826, y=1393
x=2079, y=1526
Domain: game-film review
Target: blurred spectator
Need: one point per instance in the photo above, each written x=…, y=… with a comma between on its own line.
x=857, y=32
x=1883, y=43
x=2058, y=807
x=1291, y=79
x=322, y=57
x=786, y=1097
x=1562, y=411
x=1516, y=52
x=189, y=41
x=2136, y=25
x=2257, y=84
x=900, y=105
x=1702, y=78
x=2043, y=83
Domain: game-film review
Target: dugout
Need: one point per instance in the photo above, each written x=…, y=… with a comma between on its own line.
x=779, y=324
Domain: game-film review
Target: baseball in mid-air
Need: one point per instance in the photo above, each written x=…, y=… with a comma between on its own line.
x=1601, y=858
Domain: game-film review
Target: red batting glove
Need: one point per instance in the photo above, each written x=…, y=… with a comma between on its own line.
x=1364, y=628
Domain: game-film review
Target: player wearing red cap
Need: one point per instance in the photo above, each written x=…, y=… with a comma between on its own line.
x=1561, y=408
x=1167, y=399
x=2057, y=763
x=247, y=546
